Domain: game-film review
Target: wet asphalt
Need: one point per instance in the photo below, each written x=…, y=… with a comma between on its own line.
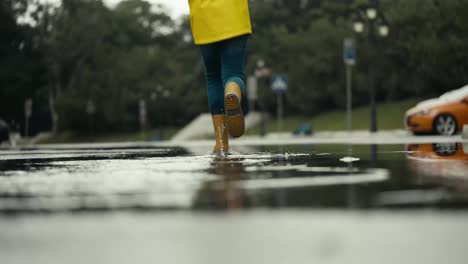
x=276, y=204
x=311, y=176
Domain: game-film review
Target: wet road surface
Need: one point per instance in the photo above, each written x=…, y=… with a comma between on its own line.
x=321, y=176
x=332, y=203
x=264, y=236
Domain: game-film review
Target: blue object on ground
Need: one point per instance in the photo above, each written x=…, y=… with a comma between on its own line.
x=156, y=138
x=303, y=129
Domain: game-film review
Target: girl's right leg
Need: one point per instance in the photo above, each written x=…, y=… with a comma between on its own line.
x=232, y=61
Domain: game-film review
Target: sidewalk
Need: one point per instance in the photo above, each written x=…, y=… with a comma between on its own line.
x=202, y=127
x=396, y=137
x=339, y=134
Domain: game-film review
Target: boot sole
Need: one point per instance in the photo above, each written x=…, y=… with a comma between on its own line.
x=234, y=117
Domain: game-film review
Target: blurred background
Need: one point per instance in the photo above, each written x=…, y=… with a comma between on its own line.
x=106, y=70
x=74, y=71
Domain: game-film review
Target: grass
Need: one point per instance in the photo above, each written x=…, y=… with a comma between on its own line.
x=390, y=117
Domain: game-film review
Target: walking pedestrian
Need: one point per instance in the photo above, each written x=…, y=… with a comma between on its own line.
x=221, y=28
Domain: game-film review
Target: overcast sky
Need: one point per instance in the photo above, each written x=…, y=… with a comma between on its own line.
x=176, y=7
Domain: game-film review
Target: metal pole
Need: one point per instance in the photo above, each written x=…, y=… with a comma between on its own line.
x=26, y=129
x=374, y=155
x=349, y=99
x=351, y=189
x=280, y=111
x=262, y=130
x=142, y=116
x=27, y=115
x=373, y=107
x=90, y=125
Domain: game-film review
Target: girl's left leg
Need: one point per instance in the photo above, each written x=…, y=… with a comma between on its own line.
x=211, y=54
x=212, y=59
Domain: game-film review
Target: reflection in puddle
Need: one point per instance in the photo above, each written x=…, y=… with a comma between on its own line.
x=63, y=181
x=412, y=197
x=441, y=164
x=376, y=175
x=226, y=194
x=52, y=180
x=349, y=159
x=439, y=160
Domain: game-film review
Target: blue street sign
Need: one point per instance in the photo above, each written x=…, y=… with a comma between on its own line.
x=279, y=84
x=349, y=52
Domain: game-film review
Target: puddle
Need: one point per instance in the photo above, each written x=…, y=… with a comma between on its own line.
x=313, y=176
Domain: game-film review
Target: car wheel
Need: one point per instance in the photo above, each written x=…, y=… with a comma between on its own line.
x=445, y=149
x=445, y=125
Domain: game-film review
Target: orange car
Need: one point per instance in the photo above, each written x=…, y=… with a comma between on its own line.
x=445, y=115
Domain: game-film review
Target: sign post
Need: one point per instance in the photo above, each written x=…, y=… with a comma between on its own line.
x=279, y=85
x=142, y=115
x=91, y=110
x=349, y=57
x=252, y=91
x=27, y=114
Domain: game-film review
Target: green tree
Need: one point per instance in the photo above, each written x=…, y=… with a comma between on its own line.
x=21, y=68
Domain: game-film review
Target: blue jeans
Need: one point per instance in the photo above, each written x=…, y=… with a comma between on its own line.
x=224, y=63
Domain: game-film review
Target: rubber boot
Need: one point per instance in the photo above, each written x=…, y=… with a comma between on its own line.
x=234, y=116
x=221, y=147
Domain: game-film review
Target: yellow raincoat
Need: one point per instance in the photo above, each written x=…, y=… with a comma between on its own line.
x=216, y=20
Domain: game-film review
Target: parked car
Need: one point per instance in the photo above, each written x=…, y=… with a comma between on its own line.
x=444, y=115
x=4, y=131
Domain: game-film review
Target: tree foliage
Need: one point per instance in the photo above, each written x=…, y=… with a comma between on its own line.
x=83, y=52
